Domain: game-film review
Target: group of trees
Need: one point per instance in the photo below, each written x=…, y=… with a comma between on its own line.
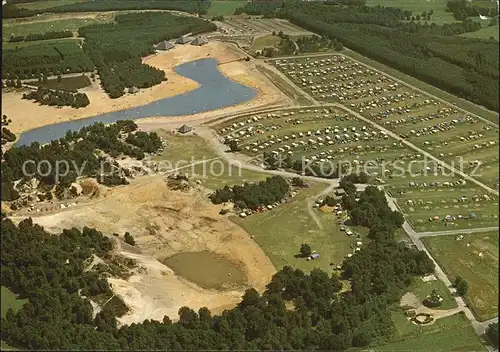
x=430, y=52
x=253, y=195
x=116, y=48
x=40, y=36
x=48, y=270
x=46, y=96
x=80, y=150
x=46, y=58
x=461, y=286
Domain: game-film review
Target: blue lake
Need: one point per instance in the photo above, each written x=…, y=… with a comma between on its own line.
x=215, y=92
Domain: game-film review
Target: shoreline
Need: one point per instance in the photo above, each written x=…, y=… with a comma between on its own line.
x=227, y=57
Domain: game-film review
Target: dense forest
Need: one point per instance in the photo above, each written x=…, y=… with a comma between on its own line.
x=46, y=96
x=40, y=36
x=45, y=58
x=253, y=195
x=116, y=48
x=80, y=150
x=192, y=6
x=35, y=265
x=430, y=52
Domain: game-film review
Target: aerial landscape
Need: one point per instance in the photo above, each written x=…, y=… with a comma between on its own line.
x=247, y=175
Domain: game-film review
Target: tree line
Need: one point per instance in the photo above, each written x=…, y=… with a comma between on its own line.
x=253, y=195
x=40, y=36
x=116, y=48
x=80, y=149
x=46, y=96
x=323, y=317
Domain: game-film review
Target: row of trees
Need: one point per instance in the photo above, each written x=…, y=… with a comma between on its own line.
x=80, y=150
x=35, y=265
x=116, y=48
x=40, y=36
x=46, y=96
x=253, y=195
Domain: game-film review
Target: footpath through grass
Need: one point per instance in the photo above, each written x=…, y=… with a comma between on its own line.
x=462, y=258
x=185, y=154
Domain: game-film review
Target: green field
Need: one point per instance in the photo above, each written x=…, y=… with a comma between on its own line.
x=224, y=7
x=265, y=41
x=66, y=83
x=486, y=33
x=453, y=333
x=280, y=233
x=47, y=4
x=17, y=29
x=456, y=258
x=7, y=45
x=10, y=300
x=418, y=6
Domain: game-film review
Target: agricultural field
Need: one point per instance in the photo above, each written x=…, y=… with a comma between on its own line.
x=453, y=333
x=331, y=138
x=47, y=4
x=224, y=7
x=474, y=257
x=281, y=232
x=440, y=15
x=432, y=125
x=193, y=155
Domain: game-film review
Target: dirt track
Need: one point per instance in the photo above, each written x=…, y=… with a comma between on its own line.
x=164, y=222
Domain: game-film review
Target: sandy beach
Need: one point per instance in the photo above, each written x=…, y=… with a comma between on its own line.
x=27, y=115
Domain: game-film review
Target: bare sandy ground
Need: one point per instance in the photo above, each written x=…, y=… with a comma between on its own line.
x=27, y=115
x=163, y=223
x=409, y=299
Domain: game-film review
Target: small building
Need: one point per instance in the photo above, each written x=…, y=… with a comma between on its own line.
x=199, y=41
x=183, y=40
x=133, y=90
x=184, y=129
x=164, y=45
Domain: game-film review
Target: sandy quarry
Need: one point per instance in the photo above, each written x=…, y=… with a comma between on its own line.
x=165, y=222
x=27, y=115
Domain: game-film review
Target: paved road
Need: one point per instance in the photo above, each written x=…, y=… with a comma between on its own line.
x=457, y=232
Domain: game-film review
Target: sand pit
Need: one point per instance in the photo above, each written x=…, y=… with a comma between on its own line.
x=27, y=115
x=157, y=217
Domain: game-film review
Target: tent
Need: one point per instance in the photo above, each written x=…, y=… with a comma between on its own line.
x=185, y=129
x=164, y=45
x=199, y=41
